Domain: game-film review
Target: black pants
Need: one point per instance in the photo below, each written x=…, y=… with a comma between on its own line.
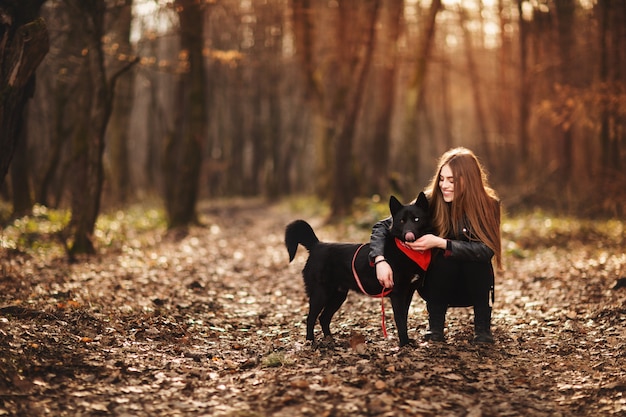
x=454, y=283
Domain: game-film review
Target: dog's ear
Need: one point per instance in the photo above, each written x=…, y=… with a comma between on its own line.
x=394, y=205
x=422, y=201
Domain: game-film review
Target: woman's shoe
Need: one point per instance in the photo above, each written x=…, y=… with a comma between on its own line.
x=434, y=336
x=483, y=336
x=482, y=325
x=436, y=322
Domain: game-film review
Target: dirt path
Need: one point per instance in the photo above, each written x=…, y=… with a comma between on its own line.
x=212, y=323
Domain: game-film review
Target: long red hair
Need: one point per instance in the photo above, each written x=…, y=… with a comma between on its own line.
x=475, y=204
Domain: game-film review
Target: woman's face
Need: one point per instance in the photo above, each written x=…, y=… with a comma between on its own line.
x=446, y=183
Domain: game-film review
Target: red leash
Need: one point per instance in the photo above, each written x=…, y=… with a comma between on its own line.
x=382, y=295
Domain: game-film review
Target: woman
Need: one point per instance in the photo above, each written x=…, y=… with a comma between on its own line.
x=466, y=215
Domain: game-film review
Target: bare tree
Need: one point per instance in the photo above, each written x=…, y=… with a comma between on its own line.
x=475, y=86
x=118, y=133
x=347, y=100
x=305, y=37
x=386, y=92
x=565, y=29
x=51, y=120
x=20, y=184
x=505, y=94
x=88, y=138
x=183, y=149
x=415, y=95
x=23, y=45
x=335, y=80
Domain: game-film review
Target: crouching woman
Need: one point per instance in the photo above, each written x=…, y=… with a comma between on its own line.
x=465, y=212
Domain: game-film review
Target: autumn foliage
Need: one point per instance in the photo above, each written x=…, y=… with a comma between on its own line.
x=210, y=321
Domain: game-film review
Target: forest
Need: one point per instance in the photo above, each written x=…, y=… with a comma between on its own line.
x=185, y=100
x=152, y=152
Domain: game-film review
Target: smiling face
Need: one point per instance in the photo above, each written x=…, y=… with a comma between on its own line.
x=446, y=183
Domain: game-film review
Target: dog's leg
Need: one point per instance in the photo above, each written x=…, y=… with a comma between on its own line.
x=332, y=305
x=317, y=301
x=400, y=304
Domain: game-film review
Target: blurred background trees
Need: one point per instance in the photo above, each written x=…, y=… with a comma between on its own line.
x=24, y=43
x=342, y=99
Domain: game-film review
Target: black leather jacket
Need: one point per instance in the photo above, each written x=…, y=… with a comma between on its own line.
x=460, y=248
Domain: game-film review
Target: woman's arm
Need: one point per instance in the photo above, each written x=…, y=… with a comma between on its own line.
x=475, y=251
x=379, y=234
x=384, y=274
x=468, y=251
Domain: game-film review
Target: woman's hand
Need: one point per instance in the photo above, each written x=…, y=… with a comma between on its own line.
x=384, y=272
x=427, y=242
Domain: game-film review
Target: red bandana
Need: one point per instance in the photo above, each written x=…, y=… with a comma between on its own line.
x=420, y=258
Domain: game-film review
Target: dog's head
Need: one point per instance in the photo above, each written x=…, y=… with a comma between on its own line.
x=411, y=221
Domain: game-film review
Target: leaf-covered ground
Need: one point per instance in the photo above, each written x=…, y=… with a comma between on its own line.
x=211, y=322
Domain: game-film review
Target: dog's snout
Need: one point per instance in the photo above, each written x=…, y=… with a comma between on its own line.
x=409, y=237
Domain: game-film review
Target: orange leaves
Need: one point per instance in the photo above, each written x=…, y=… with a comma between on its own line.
x=69, y=304
x=357, y=343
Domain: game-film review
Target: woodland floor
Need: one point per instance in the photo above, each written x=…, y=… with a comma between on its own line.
x=211, y=322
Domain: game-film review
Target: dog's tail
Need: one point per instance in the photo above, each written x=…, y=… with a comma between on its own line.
x=299, y=232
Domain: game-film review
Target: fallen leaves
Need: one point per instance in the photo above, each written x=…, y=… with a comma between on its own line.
x=212, y=322
x=357, y=343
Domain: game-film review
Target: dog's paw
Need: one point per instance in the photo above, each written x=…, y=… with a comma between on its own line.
x=327, y=343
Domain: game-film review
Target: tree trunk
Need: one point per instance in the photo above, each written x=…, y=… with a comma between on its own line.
x=259, y=142
x=270, y=48
x=184, y=157
x=446, y=106
x=618, y=30
x=505, y=163
x=472, y=72
x=23, y=45
x=274, y=185
x=59, y=136
x=20, y=185
x=305, y=34
x=356, y=68
x=565, y=26
x=89, y=137
x=379, y=155
x=118, y=139
x=411, y=143
x=525, y=92
x=238, y=176
x=610, y=47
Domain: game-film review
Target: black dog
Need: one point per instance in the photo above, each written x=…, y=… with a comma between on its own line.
x=334, y=268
